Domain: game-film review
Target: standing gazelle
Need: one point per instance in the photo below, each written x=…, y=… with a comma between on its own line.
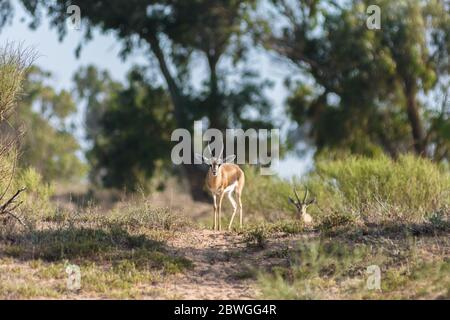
x=224, y=177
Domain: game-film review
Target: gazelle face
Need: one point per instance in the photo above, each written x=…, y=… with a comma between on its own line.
x=215, y=164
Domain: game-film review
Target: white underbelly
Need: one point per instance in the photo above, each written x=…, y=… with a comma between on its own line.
x=231, y=187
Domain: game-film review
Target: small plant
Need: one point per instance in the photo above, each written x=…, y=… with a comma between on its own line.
x=257, y=236
x=289, y=226
x=245, y=273
x=336, y=219
x=439, y=220
x=142, y=214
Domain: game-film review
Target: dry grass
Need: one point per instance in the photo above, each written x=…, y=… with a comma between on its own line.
x=121, y=254
x=412, y=267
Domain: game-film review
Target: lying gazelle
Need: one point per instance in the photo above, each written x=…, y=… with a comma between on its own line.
x=302, y=205
x=224, y=177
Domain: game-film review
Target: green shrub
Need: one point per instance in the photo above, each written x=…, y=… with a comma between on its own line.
x=355, y=190
x=14, y=62
x=266, y=197
x=141, y=213
x=257, y=236
x=36, y=199
x=381, y=189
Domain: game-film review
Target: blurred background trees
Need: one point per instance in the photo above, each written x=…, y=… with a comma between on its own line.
x=366, y=90
x=352, y=89
x=177, y=34
x=123, y=117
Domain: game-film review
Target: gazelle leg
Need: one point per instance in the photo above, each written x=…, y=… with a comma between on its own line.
x=215, y=212
x=233, y=203
x=240, y=209
x=220, y=210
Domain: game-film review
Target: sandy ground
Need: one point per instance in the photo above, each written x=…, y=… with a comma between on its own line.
x=224, y=266
x=217, y=258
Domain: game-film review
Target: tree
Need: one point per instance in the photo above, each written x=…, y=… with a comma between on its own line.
x=176, y=39
x=47, y=143
x=365, y=85
x=120, y=118
x=14, y=62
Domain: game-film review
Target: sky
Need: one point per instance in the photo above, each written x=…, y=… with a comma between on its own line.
x=102, y=51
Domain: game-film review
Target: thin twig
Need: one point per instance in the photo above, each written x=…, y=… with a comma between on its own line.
x=4, y=208
x=7, y=203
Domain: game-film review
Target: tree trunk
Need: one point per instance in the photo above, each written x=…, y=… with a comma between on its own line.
x=415, y=120
x=194, y=174
x=175, y=92
x=385, y=140
x=216, y=116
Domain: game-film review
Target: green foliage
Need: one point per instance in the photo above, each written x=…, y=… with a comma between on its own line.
x=217, y=35
x=48, y=143
x=136, y=117
x=266, y=196
x=380, y=190
x=358, y=90
x=256, y=236
x=14, y=63
x=218, y=31
x=36, y=201
x=363, y=93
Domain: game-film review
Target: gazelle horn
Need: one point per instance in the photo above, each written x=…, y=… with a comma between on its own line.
x=220, y=155
x=209, y=149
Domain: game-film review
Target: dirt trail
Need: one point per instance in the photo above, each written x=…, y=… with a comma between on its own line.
x=218, y=259
x=224, y=265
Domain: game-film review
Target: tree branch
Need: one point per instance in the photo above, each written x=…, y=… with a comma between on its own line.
x=5, y=210
x=174, y=89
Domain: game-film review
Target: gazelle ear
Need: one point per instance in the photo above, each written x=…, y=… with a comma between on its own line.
x=207, y=160
x=292, y=201
x=229, y=159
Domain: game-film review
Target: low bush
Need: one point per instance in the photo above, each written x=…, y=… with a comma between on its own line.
x=356, y=190
x=378, y=190
x=328, y=269
x=266, y=197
